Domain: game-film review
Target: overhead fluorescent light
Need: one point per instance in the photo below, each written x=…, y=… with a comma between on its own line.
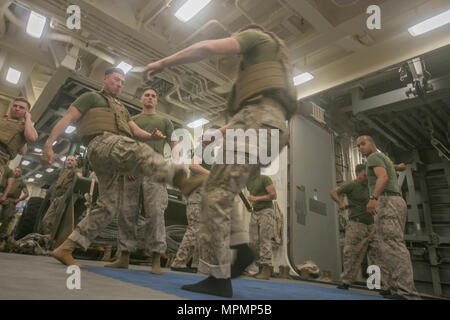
x=302, y=78
x=54, y=142
x=30, y=180
x=63, y=158
x=70, y=129
x=38, y=150
x=36, y=24
x=124, y=66
x=49, y=170
x=430, y=24
x=25, y=162
x=190, y=8
x=198, y=123
x=38, y=176
x=13, y=75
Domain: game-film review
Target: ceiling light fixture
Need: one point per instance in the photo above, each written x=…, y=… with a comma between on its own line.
x=36, y=24
x=49, y=170
x=70, y=129
x=190, y=8
x=25, y=162
x=13, y=75
x=197, y=123
x=430, y=24
x=302, y=78
x=124, y=66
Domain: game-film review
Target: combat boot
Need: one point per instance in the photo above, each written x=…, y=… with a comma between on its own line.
x=122, y=262
x=107, y=253
x=264, y=273
x=284, y=272
x=156, y=263
x=187, y=185
x=64, y=253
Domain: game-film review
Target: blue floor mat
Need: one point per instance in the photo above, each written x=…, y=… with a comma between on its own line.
x=243, y=289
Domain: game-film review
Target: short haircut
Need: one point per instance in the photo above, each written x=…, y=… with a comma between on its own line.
x=148, y=88
x=252, y=26
x=112, y=70
x=367, y=137
x=22, y=99
x=360, y=167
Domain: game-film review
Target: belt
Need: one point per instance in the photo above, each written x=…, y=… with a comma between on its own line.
x=4, y=148
x=390, y=194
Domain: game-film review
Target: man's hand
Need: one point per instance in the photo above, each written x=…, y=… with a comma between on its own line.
x=157, y=135
x=2, y=198
x=251, y=198
x=400, y=167
x=152, y=69
x=371, y=207
x=342, y=206
x=16, y=201
x=27, y=116
x=47, y=157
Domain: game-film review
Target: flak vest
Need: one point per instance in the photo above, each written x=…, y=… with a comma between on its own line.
x=64, y=181
x=99, y=120
x=271, y=79
x=12, y=135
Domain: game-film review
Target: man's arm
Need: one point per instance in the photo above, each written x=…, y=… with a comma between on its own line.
x=144, y=135
x=195, y=167
x=335, y=196
x=72, y=115
x=400, y=167
x=23, y=150
x=30, y=132
x=7, y=189
x=271, y=195
x=382, y=179
x=194, y=53
x=23, y=196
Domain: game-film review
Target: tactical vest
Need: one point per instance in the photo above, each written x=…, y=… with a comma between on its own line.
x=98, y=120
x=12, y=135
x=15, y=192
x=64, y=181
x=270, y=78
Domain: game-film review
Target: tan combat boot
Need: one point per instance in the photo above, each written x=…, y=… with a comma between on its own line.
x=187, y=185
x=122, y=262
x=264, y=273
x=107, y=253
x=64, y=253
x=156, y=263
x=284, y=272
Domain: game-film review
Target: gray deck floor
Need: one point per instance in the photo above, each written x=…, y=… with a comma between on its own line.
x=27, y=277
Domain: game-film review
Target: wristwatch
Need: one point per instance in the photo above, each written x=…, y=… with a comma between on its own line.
x=372, y=197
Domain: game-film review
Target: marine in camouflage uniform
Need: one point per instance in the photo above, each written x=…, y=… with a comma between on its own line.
x=13, y=197
x=262, y=223
x=262, y=98
x=154, y=195
x=106, y=128
x=360, y=235
x=390, y=211
x=189, y=245
x=63, y=183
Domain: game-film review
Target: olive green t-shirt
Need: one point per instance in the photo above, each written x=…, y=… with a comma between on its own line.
x=256, y=47
x=257, y=187
x=358, y=197
x=90, y=100
x=149, y=122
x=378, y=159
x=4, y=183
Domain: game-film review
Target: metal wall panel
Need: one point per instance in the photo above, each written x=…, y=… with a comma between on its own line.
x=313, y=221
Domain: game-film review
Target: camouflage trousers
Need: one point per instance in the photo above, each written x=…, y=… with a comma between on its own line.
x=361, y=239
x=220, y=226
x=4, y=158
x=390, y=222
x=7, y=214
x=189, y=245
x=113, y=158
x=154, y=204
x=261, y=235
x=49, y=220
